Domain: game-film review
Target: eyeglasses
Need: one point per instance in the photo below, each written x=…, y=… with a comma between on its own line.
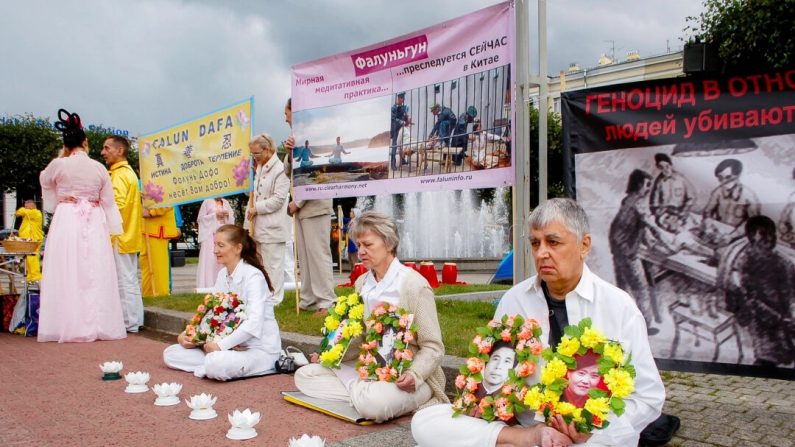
x=257, y=154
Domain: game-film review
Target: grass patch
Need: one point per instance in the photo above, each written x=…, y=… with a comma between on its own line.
x=458, y=319
x=192, y=260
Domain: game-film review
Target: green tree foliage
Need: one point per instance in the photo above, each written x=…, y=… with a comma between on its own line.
x=555, y=173
x=750, y=34
x=27, y=144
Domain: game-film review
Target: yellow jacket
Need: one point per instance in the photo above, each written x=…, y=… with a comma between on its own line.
x=128, y=200
x=31, y=224
x=161, y=223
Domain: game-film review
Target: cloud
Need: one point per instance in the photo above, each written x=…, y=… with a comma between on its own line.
x=145, y=65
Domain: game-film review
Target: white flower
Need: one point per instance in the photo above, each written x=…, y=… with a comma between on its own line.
x=111, y=367
x=167, y=389
x=201, y=401
x=244, y=419
x=307, y=441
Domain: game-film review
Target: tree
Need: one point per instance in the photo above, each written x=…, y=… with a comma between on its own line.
x=750, y=34
x=27, y=144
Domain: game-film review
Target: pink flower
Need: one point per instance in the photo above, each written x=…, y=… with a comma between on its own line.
x=494, y=324
x=484, y=403
x=240, y=172
x=522, y=393
x=474, y=365
x=460, y=381
x=379, y=311
x=472, y=384
x=201, y=308
x=362, y=372
x=505, y=335
x=469, y=398
x=525, y=369
x=153, y=191
x=458, y=404
x=503, y=413
x=506, y=389
x=407, y=354
x=521, y=345
x=484, y=347
x=526, y=333
x=509, y=321
x=535, y=346
x=408, y=337
x=392, y=309
x=404, y=321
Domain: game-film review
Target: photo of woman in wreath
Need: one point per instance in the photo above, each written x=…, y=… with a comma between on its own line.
x=386, y=347
x=582, y=379
x=495, y=373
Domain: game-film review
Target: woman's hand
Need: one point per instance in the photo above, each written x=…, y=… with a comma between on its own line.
x=211, y=347
x=314, y=357
x=184, y=341
x=559, y=424
x=251, y=213
x=406, y=383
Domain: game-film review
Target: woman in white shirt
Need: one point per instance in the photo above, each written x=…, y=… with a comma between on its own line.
x=253, y=348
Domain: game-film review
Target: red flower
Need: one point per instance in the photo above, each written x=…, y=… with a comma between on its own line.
x=235, y=303
x=219, y=310
x=596, y=422
x=213, y=323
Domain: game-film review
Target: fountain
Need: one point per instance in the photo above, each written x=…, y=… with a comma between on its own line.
x=442, y=225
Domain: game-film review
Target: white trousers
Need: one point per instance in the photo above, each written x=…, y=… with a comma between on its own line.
x=375, y=400
x=132, y=306
x=435, y=426
x=289, y=261
x=220, y=365
x=273, y=258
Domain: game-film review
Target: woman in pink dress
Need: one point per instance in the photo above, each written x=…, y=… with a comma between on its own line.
x=212, y=215
x=79, y=293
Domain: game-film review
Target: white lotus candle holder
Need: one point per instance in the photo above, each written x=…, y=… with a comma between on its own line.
x=111, y=370
x=202, y=406
x=167, y=393
x=136, y=382
x=307, y=441
x=243, y=423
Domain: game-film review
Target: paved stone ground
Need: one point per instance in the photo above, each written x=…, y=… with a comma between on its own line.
x=52, y=395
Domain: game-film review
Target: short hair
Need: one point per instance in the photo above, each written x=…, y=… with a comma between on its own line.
x=380, y=224
x=636, y=180
x=755, y=224
x=567, y=212
x=289, y=104
x=264, y=141
x=119, y=140
x=735, y=165
x=662, y=157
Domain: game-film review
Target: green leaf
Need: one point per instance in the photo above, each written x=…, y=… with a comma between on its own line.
x=596, y=393
x=617, y=405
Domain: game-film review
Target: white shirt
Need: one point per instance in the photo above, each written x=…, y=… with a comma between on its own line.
x=614, y=313
x=259, y=330
x=385, y=291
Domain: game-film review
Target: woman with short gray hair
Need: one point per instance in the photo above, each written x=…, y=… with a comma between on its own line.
x=266, y=215
x=386, y=282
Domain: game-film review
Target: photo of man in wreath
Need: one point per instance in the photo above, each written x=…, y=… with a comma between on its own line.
x=495, y=373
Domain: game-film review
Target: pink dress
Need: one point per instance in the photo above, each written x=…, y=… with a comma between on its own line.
x=79, y=292
x=208, y=223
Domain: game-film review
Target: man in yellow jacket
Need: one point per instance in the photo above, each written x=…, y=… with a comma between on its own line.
x=160, y=225
x=31, y=229
x=127, y=245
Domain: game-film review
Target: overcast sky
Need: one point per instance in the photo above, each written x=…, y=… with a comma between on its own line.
x=145, y=65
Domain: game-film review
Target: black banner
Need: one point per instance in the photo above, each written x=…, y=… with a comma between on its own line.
x=690, y=187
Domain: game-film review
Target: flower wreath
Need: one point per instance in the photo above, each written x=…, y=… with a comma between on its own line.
x=616, y=371
x=406, y=331
x=344, y=321
x=508, y=401
x=218, y=316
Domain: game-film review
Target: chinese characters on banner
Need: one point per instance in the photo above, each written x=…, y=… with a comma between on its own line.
x=198, y=159
x=430, y=110
x=690, y=187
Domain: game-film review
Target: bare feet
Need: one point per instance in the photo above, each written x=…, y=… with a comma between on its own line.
x=320, y=313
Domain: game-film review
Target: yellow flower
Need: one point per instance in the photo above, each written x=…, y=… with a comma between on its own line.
x=355, y=328
x=353, y=299
x=330, y=356
x=556, y=367
x=331, y=323
x=614, y=352
x=619, y=382
x=568, y=346
x=340, y=308
x=591, y=338
x=598, y=407
x=551, y=396
x=565, y=408
x=356, y=312
x=533, y=398
x=577, y=415
x=547, y=377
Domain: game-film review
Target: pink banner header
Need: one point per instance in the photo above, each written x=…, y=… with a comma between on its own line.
x=399, y=53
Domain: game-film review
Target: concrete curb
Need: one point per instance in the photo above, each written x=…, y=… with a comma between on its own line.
x=173, y=322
